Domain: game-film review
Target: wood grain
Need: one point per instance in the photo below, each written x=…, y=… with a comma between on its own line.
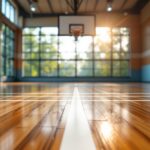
x=118, y=114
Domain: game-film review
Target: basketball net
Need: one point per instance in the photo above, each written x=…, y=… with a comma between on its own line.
x=76, y=33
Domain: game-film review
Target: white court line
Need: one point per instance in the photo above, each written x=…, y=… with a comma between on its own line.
x=71, y=93
x=83, y=95
x=36, y=93
x=32, y=96
x=70, y=96
x=71, y=100
x=45, y=96
x=111, y=93
x=77, y=135
x=116, y=96
x=1, y=97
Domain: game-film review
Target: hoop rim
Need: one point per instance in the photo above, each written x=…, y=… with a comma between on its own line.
x=75, y=28
x=76, y=32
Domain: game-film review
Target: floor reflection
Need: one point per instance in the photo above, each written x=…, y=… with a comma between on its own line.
x=33, y=115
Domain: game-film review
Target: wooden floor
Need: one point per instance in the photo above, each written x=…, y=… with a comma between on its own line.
x=33, y=115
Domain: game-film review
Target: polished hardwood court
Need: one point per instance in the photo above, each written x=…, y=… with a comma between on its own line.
x=33, y=116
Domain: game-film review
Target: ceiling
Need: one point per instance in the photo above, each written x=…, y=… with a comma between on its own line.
x=59, y=7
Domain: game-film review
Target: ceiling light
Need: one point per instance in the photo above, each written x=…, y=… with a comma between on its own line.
x=33, y=6
x=109, y=9
x=109, y=5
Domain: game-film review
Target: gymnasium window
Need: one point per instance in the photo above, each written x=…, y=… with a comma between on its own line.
x=120, y=51
x=8, y=10
x=112, y=52
x=40, y=52
x=45, y=54
x=7, y=53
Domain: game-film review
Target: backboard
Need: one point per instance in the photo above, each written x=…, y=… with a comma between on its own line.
x=86, y=25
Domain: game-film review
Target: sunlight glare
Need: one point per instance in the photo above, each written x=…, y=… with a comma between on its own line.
x=96, y=48
x=104, y=34
x=125, y=43
x=102, y=55
x=67, y=48
x=106, y=129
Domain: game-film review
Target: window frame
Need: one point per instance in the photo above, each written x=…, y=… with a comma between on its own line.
x=7, y=54
x=76, y=59
x=12, y=10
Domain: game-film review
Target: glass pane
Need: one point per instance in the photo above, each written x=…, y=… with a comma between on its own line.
x=124, y=31
x=3, y=66
x=49, y=68
x=125, y=43
x=35, y=47
x=116, y=43
x=27, y=48
x=102, y=55
x=67, y=48
x=3, y=6
x=116, y=31
x=102, y=43
x=124, y=64
x=26, y=56
x=103, y=39
x=7, y=31
x=26, y=69
x=116, y=64
x=102, y=68
x=67, y=68
x=104, y=32
x=12, y=13
x=84, y=55
x=125, y=55
x=49, y=30
x=84, y=44
x=48, y=39
x=10, y=51
x=30, y=39
x=124, y=72
x=11, y=34
x=84, y=68
x=7, y=13
x=48, y=55
x=84, y=48
x=45, y=39
x=116, y=55
x=116, y=68
x=34, y=68
x=49, y=47
x=9, y=67
x=33, y=31
x=34, y=55
x=116, y=73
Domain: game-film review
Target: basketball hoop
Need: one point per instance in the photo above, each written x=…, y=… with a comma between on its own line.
x=76, y=30
x=76, y=33
x=76, y=25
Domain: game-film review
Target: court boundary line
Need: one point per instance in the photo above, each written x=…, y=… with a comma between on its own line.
x=36, y=93
x=77, y=127
x=71, y=100
x=17, y=96
x=72, y=93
